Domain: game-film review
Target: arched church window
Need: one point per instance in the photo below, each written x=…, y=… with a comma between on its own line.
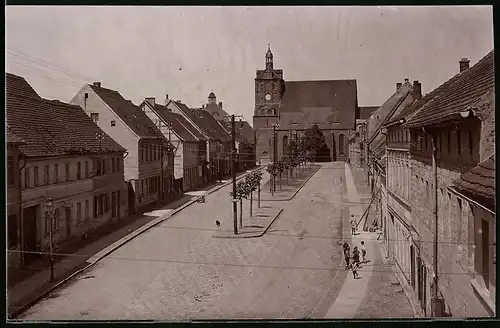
x=342, y=144
x=285, y=143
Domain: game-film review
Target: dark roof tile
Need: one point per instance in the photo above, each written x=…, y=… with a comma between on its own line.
x=46, y=127
x=174, y=119
x=133, y=117
x=447, y=101
x=366, y=111
x=323, y=102
x=479, y=183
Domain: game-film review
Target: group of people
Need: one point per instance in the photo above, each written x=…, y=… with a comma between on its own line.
x=353, y=262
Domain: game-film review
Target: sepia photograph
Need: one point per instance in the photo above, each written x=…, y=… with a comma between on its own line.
x=186, y=163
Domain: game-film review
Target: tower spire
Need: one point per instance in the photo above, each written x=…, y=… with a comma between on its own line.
x=269, y=57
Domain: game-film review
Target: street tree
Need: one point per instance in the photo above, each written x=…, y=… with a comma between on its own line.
x=271, y=169
x=253, y=180
x=242, y=192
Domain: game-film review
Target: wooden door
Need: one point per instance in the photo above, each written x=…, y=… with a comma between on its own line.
x=68, y=222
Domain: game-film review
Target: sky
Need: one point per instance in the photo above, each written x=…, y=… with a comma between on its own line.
x=187, y=52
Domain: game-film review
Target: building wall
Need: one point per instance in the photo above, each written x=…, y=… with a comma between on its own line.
x=120, y=132
x=68, y=192
x=452, y=227
x=13, y=193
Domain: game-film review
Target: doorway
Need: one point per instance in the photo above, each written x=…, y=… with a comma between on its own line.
x=113, y=204
x=68, y=221
x=29, y=235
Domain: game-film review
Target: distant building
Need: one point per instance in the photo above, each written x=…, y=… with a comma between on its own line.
x=190, y=145
x=149, y=166
x=357, y=138
x=62, y=155
x=297, y=106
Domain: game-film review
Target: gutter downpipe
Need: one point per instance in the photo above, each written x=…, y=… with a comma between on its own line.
x=436, y=301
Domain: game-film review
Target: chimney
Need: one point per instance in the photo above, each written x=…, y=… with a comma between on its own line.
x=202, y=106
x=417, y=91
x=398, y=85
x=220, y=104
x=151, y=101
x=407, y=80
x=464, y=64
x=166, y=99
x=97, y=84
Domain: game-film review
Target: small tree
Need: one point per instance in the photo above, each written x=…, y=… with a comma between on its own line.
x=242, y=192
x=280, y=167
x=253, y=180
x=271, y=169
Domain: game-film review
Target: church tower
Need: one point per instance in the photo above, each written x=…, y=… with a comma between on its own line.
x=269, y=90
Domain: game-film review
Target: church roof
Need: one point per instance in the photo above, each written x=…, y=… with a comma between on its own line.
x=330, y=104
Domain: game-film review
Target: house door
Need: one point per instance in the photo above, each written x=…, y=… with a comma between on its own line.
x=412, y=266
x=29, y=235
x=118, y=204
x=131, y=198
x=68, y=222
x=113, y=204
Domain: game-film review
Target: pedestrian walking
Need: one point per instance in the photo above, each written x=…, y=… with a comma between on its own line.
x=363, y=251
x=353, y=225
x=354, y=268
x=347, y=255
x=355, y=255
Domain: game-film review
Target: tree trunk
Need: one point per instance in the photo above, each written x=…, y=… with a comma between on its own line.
x=271, y=185
x=251, y=201
x=280, y=181
x=258, y=200
x=241, y=213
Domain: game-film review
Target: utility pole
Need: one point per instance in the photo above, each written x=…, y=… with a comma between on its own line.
x=50, y=211
x=233, y=172
x=275, y=149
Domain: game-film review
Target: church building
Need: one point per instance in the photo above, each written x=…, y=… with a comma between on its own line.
x=294, y=106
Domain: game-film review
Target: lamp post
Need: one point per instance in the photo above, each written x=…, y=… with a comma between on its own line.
x=275, y=150
x=50, y=209
x=233, y=172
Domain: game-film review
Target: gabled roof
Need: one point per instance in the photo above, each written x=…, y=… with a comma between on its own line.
x=322, y=102
x=131, y=115
x=456, y=94
x=190, y=127
x=82, y=126
x=385, y=112
x=166, y=115
x=216, y=129
x=479, y=183
x=366, y=111
x=213, y=108
x=46, y=128
x=12, y=138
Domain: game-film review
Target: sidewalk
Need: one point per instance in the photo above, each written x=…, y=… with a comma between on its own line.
x=253, y=227
x=30, y=289
x=288, y=189
x=375, y=294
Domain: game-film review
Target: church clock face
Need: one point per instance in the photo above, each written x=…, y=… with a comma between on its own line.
x=268, y=96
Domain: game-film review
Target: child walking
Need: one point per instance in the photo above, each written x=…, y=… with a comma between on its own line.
x=363, y=251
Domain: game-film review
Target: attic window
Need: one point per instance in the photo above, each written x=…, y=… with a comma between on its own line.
x=86, y=95
x=94, y=117
x=113, y=123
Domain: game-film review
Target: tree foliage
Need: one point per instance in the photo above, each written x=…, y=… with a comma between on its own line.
x=313, y=138
x=253, y=180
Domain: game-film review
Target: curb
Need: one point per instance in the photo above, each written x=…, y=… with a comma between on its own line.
x=404, y=284
x=108, y=250
x=295, y=193
x=258, y=235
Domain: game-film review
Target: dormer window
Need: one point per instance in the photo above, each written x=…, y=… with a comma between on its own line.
x=113, y=123
x=94, y=117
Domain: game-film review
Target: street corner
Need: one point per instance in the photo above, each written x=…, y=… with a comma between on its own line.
x=253, y=227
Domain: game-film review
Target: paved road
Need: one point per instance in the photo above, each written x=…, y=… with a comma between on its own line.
x=178, y=271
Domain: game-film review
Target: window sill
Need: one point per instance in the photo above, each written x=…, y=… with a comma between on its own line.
x=483, y=294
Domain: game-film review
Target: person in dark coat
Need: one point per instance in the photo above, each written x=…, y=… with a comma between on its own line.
x=347, y=255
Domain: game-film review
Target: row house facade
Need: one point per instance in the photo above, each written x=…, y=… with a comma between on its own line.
x=215, y=164
x=374, y=145
x=69, y=174
x=357, y=137
x=452, y=193
x=148, y=164
x=189, y=144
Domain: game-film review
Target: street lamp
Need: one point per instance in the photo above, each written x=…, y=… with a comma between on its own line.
x=50, y=210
